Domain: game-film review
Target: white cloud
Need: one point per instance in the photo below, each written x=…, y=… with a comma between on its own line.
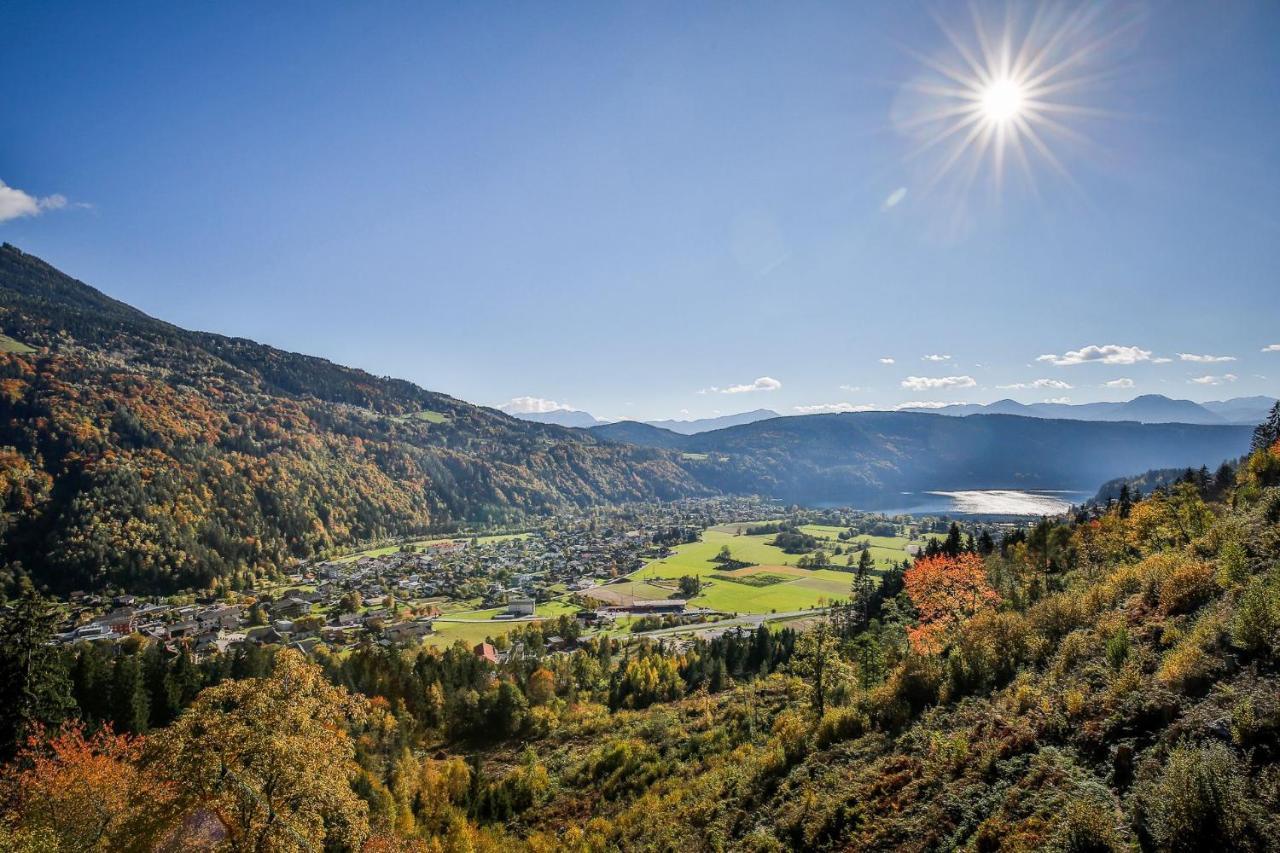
x=894, y=198
x=1214, y=380
x=1060, y=400
x=15, y=203
x=1267, y=348
x=534, y=405
x=1106, y=354
x=1056, y=384
x=764, y=383
x=922, y=404
x=1122, y=382
x=887, y=360
x=852, y=389
x=1205, y=359
x=935, y=358
x=825, y=408
x=928, y=383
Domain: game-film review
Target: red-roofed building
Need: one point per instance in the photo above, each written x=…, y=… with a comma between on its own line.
x=486, y=651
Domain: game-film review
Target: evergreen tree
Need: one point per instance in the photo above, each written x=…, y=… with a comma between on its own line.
x=34, y=686
x=1267, y=433
x=129, y=705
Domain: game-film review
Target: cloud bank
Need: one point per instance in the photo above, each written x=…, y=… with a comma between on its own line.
x=764, y=383
x=1205, y=359
x=1093, y=354
x=1056, y=384
x=534, y=405
x=929, y=383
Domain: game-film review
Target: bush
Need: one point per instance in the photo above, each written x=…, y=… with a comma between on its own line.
x=1200, y=799
x=1192, y=662
x=1187, y=587
x=841, y=724
x=1255, y=627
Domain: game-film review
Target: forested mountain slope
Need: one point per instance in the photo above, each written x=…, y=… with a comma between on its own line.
x=139, y=453
x=864, y=455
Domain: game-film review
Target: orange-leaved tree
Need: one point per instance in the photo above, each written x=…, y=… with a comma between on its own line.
x=946, y=591
x=87, y=792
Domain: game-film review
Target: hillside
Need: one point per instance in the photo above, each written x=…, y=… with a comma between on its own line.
x=866, y=456
x=1109, y=682
x=139, y=453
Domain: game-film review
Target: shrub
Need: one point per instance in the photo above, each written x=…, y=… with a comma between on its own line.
x=1255, y=627
x=1198, y=800
x=1233, y=565
x=1118, y=648
x=1089, y=826
x=841, y=724
x=1187, y=587
x=1190, y=664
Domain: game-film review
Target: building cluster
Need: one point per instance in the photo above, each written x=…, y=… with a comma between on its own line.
x=394, y=594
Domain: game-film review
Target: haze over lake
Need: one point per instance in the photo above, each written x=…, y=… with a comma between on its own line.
x=987, y=502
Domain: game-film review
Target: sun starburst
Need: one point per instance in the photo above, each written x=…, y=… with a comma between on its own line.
x=1013, y=90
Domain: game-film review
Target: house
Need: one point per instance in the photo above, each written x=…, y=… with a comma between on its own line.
x=405, y=631
x=486, y=651
x=291, y=608
x=662, y=605
x=522, y=606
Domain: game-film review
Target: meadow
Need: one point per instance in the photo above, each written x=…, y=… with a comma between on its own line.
x=797, y=589
x=420, y=543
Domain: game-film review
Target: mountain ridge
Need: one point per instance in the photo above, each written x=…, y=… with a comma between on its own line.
x=1145, y=408
x=138, y=453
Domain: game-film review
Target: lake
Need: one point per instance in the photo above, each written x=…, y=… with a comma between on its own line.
x=1007, y=502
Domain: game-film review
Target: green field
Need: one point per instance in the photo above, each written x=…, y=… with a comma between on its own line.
x=8, y=344
x=448, y=633
x=391, y=549
x=800, y=589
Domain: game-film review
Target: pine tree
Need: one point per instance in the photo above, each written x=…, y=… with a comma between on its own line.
x=129, y=705
x=1267, y=432
x=34, y=686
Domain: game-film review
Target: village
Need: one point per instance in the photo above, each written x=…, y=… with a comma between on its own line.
x=462, y=587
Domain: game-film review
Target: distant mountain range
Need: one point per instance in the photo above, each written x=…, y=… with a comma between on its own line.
x=1147, y=409
x=585, y=420
x=867, y=457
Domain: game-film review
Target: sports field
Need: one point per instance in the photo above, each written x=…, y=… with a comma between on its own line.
x=447, y=633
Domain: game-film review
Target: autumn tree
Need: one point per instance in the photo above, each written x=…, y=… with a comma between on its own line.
x=87, y=793
x=817, y=660
x=946, y=590
x=273, y=758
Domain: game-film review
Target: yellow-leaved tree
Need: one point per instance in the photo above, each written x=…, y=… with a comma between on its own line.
x=273, y=759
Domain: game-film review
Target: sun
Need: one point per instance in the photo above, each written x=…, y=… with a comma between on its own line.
x=1002, y=100
x=1010, y=92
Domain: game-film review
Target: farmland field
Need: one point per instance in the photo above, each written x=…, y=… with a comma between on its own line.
x=391, y=549
x=799, y=589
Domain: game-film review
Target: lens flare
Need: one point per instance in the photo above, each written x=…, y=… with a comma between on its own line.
x=1009, y=91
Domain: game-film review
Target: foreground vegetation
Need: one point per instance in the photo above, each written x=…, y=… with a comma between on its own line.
x=1111, y=682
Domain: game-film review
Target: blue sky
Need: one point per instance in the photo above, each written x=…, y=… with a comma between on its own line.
x=657, y=210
